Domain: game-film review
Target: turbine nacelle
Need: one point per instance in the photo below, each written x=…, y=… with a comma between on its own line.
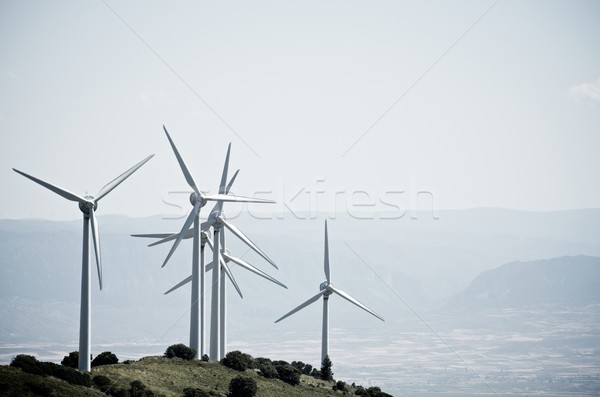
x=203, y=237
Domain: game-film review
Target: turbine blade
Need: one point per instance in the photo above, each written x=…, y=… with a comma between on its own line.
x=239, y=199
x=58, y=190
x=230, y=275
x=228, y=188
x=253, y=269
x=181, y=234
x=96, y=238
x=188, y=176
x=117, y=181
x=219, y=205
x=210, y=244
x=302, y=306
x=327, y=269
x=206, y=225
x=153, y=235
x=224, y=177
x=180, y=284
x=169, y=237
x=356, y=302
x=225, y=170
x=248, y=242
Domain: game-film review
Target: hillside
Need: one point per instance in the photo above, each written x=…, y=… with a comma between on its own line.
x=567, y=280
x=167, y=377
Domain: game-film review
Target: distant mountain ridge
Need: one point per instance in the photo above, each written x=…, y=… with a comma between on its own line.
x=566, y=280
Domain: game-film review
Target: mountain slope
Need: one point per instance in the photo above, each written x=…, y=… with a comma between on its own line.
x=567, y=280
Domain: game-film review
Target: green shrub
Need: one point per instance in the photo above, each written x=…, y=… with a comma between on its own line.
x=242, y=386
x=181, y=351
x=105, y=358
x=67, y=374
x=315, y=373
x=370, y=392
x=326, y=365
x=266, y=368
x=102, y=383
x=72, y=360
x=31, y=365
x=28, y=364
x=205, y=357
x=341, y=386
x=194, y=392
x=238, y=361
x=307, y=369
x=288, y=374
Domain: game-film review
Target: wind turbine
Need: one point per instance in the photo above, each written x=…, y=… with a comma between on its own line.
x=88, y=206
x=218, y=217
x=198, y=200
x=326, y=289
x=218, y=221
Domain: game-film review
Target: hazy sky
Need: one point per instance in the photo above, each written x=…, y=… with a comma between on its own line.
x=506, y=116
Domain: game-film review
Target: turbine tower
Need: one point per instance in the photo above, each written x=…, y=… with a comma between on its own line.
x=198, y=200
x=88, y=206
x=326, y=290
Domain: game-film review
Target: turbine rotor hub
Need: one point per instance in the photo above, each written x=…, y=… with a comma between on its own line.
x=89, y=204
x=325, y=286
x=218, y=223
x=194, y=198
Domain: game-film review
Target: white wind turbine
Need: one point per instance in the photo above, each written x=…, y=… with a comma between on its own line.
x=88, y=205
x=326, y=289
x=199, y=200
x=217, y=217
x=218, y=221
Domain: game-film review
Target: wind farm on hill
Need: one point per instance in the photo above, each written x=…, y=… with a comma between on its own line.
x=219, y=267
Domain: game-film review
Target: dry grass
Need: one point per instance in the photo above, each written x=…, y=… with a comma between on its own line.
x=171, y=376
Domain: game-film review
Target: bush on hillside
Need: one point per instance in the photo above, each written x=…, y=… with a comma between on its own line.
x=71, y=361
x=105, y=358
x=266, y=368
x=242, y=386
x=28, y=364
x=370, y=392
x=341, y=386
x=238, y=361
x=288, y=374
x=180, y=351
x=326, y=365
x=102, y=383
x=138, y=389
x=304, y=368
x=194, y=392
x=31, y=365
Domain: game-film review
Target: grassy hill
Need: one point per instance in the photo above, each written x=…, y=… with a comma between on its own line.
x=163, y=376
